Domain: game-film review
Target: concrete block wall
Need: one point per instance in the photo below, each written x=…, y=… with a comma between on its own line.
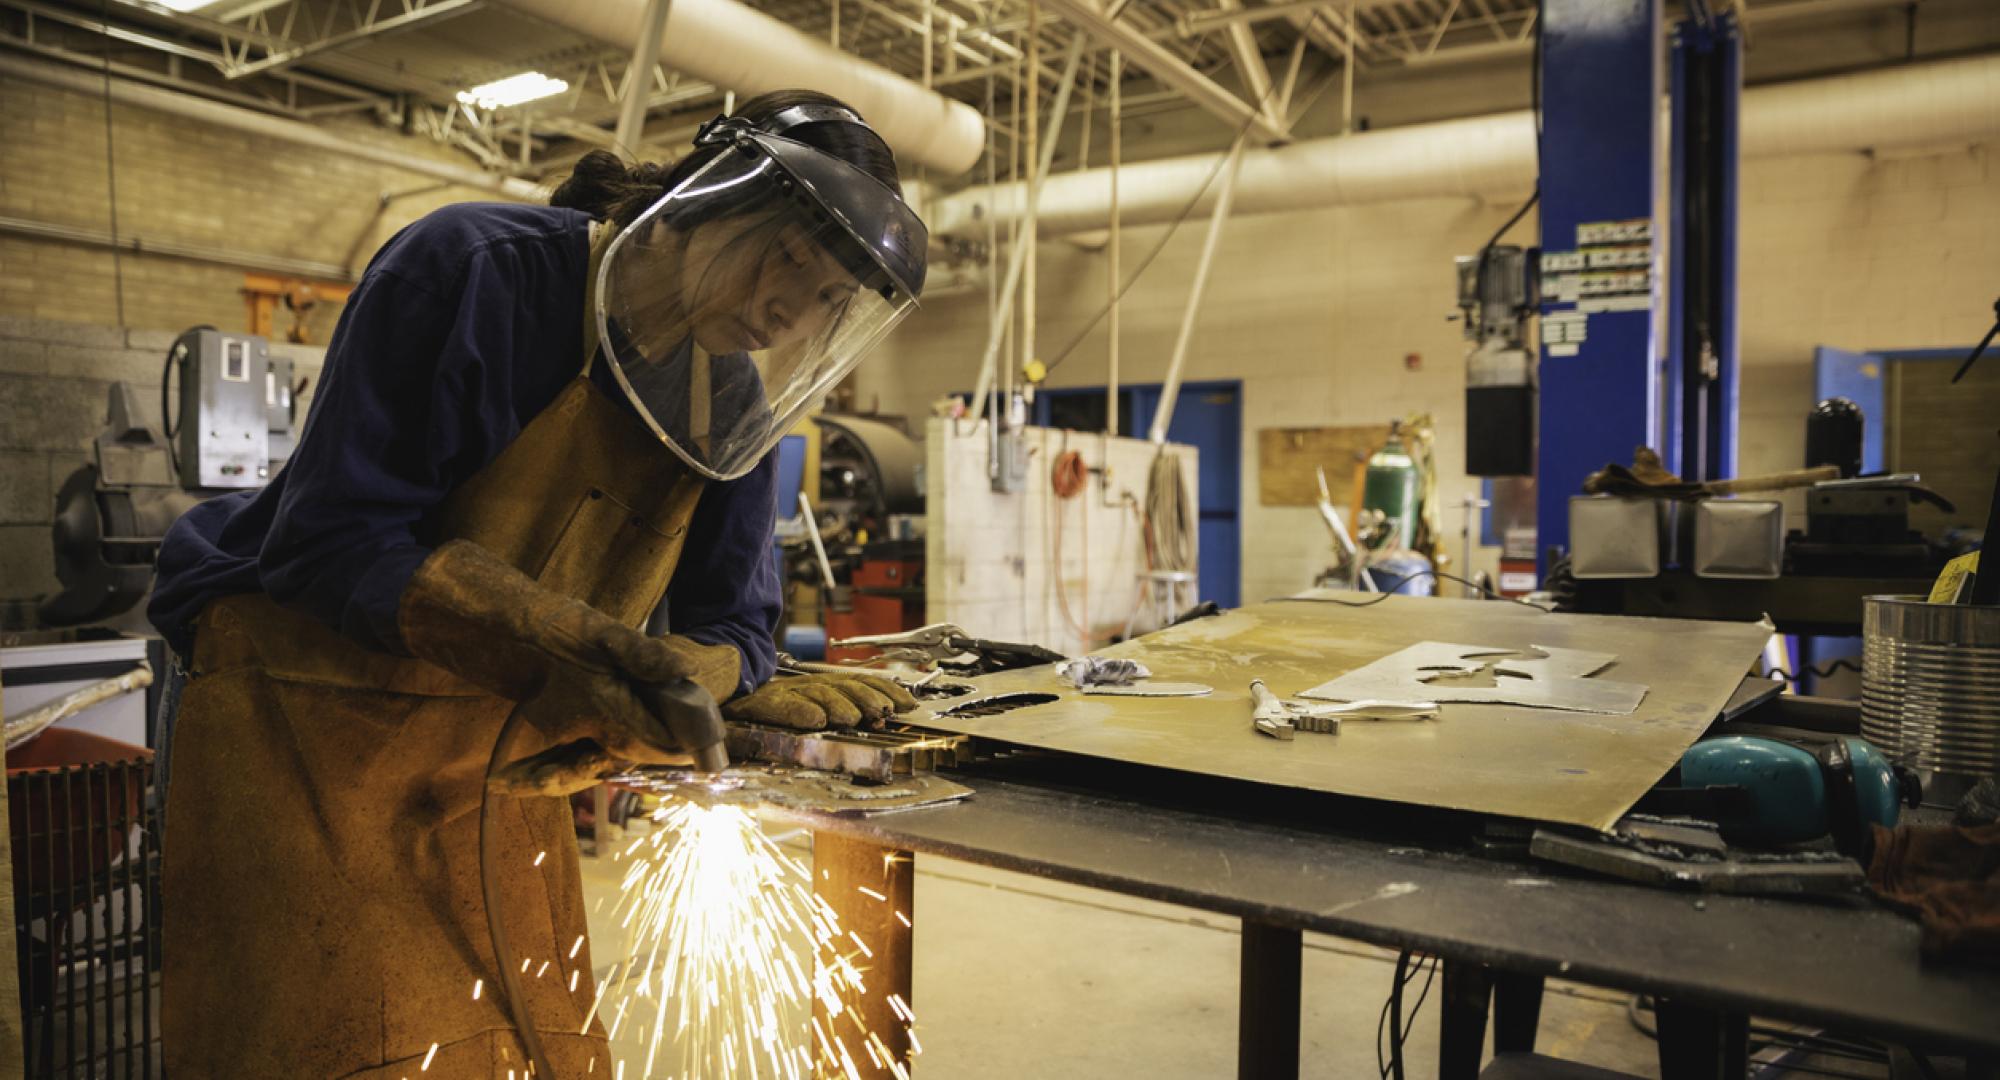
x=1316, y=312
x=993, y=561
x=191, y=183
x=55, y=381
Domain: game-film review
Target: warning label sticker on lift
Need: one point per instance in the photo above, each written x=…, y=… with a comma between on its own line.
x=1611, y=269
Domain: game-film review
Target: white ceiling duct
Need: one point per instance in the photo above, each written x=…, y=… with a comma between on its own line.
x=1932, y=104
x=736, y=48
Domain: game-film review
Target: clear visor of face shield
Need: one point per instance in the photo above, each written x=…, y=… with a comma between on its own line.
x=733, y=305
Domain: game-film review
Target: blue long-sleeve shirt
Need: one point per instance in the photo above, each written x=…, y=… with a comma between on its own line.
x=466, y=325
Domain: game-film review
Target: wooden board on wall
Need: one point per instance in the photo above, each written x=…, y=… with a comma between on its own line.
x=1287, y=458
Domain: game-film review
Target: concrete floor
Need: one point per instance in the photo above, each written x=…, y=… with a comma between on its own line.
x=1017, y=976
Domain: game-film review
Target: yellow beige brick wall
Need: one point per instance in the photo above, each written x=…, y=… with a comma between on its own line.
x=190, y=183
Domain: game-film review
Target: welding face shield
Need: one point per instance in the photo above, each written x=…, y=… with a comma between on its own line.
x=735, y=302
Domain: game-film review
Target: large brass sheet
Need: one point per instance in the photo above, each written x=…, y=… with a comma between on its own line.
x=1541, y=764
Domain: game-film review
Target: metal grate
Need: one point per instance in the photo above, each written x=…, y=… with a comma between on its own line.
x=86, y=919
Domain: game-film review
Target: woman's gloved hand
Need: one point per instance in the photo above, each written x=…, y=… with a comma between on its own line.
x=570, y=665
x=818, y=701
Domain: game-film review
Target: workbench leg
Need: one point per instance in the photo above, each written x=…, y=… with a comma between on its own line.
x=1517, y=1011
x=600, y=820
x=1698, y=1043
x=870, y=1037
x=1468, y=987
x=1267, y=1011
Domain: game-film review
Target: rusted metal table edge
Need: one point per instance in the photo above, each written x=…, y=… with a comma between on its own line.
x=1908, y=1017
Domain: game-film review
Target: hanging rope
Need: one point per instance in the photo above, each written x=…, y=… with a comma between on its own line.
x=1169, y=514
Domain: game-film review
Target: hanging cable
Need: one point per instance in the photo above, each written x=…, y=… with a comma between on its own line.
x=1067, y=479
x=489, y=889
x=1187, y=211
x=1388, y=589
x=1069, y=475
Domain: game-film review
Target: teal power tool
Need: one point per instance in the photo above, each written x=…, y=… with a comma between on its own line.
x=1765, y=792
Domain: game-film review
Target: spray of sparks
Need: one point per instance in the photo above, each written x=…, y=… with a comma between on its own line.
x=719, y=918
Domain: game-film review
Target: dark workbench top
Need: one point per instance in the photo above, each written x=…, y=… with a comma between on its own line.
x=1404, y=879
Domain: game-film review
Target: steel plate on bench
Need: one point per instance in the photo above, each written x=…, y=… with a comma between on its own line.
x=1541, y=764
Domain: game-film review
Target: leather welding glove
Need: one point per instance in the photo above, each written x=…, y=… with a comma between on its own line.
x=818, y=701
x=570, y=665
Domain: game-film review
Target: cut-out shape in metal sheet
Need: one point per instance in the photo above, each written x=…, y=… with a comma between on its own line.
x=1542, y=677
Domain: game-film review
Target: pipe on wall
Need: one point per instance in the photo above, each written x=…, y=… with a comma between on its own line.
x=153, y=245
x=249, y=121
x=1917, y=105
x=739, y=49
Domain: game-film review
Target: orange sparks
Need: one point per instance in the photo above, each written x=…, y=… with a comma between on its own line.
x=866, y=891
x=433, y=1052
x=477, y=986
x=904, y=919
x=539, y=856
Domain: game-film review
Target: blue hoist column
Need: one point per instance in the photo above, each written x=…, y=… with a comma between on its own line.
x=1639, y=314
x=1601, y=174
x=1705, y=60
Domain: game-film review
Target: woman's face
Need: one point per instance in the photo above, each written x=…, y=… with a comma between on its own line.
x=759, y=281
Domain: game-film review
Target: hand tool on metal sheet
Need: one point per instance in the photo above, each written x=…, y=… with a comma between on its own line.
x=1279, y=718
x=931, y=684
x=1268, y=715
x=943, y=643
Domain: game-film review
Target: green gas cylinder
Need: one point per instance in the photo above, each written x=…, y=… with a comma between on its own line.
x=1394, y=488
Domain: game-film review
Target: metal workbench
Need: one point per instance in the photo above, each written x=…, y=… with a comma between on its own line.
x=1286, y=862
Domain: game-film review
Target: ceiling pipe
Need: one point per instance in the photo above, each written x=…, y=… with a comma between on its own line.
x=235, y=118
x=736, y=48
x=1914, y=105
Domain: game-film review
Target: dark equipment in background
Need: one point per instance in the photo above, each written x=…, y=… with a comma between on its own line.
x=1834, y=432
x=1496, y=295
x=867, y=502
x=232, y=429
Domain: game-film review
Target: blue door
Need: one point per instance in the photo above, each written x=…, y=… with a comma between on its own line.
x=1208, y=417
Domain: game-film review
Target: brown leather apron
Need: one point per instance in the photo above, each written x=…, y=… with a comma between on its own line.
x=321, y=883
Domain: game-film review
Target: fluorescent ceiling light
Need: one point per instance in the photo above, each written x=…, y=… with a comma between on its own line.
x=183, y=5
x=512, y=90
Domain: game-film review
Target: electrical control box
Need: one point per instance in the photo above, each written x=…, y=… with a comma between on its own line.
x=226, y=410
x=278, y=390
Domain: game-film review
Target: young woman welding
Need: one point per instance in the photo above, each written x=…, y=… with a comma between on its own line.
x=535, y=426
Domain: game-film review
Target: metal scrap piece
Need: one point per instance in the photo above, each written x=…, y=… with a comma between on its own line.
x=1151, y=688
x=1441, y=671
x=873, y=755
x=1791, y=874
x=797, y=789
